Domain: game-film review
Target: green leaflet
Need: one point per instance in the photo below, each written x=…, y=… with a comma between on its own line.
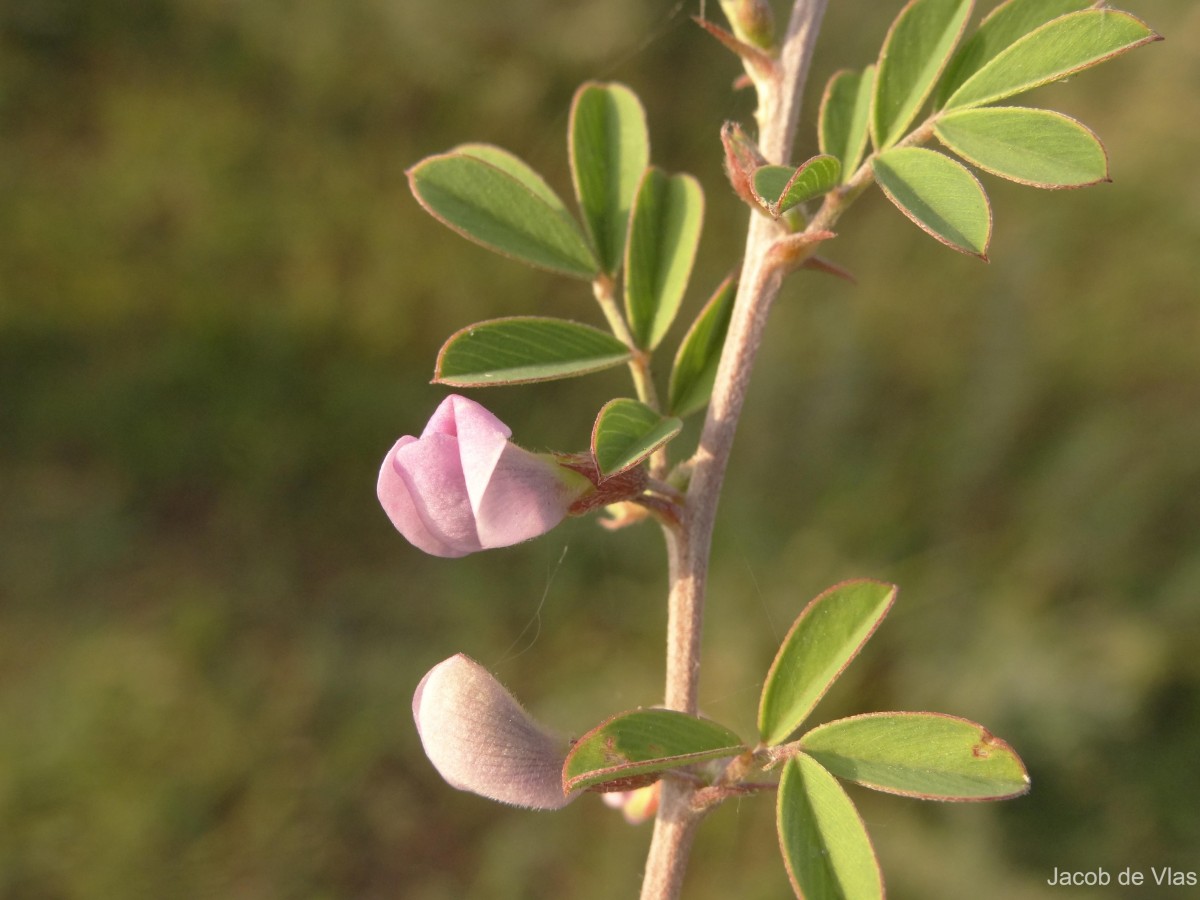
x=521, y=349
x=695, y=369
x=823, y=640
x=518, y=169
x=914, y=53
x=492, y=198
x=1000, y=28
x=610, y=150
x=779, y=188
x=1031, y=146
x=1059, y=48
x=939, y=195
x=626, y=432
x=632, y=748
x=663, y=237
x=845, y=117
x=931, y=756
x=825, y=845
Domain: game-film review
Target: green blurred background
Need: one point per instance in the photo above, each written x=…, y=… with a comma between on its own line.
x=219, y=305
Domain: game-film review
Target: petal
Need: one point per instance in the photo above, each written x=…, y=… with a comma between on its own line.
x=421, y=489
x=481, y=440
x=480, y=739
x=526, y=496
x=445, y=418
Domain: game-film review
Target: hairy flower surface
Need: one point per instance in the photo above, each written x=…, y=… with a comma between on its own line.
x=462, y=486
x=480, y=739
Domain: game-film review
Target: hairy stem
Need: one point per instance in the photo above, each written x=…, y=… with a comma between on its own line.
x=639, y=364
x=689, y=546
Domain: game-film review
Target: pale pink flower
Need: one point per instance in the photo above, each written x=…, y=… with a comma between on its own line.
x=480, y=739
x=462, y=486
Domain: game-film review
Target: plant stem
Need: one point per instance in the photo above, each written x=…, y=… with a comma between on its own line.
x=639, y=364
x=689, y=547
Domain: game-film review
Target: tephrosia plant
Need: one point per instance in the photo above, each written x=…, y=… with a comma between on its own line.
x=464, y=486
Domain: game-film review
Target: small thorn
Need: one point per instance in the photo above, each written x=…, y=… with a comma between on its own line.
x=792, y=251
x=821, y=264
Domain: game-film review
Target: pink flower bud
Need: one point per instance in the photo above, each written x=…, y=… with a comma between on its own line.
x=462, y=486
x=480, y=739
